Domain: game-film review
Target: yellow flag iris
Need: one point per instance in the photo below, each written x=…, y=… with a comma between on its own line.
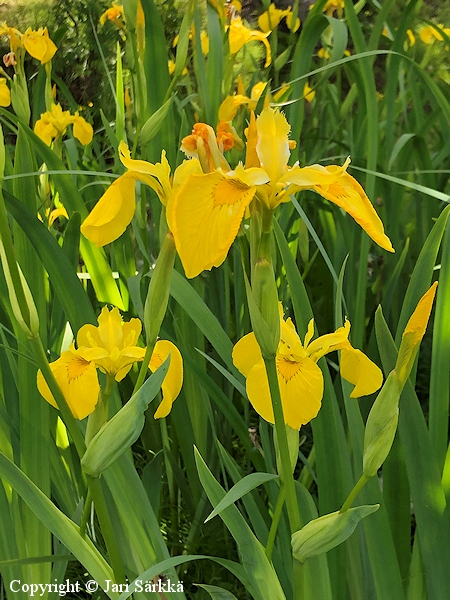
x=53, y=124
x=239, y=35
x=112, y=348
x=299, y=377
x=216, y=202
x=36, y=42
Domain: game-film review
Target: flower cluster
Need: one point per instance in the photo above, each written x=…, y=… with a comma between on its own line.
x=110, y=347
x=54, y=123
x=207, y=200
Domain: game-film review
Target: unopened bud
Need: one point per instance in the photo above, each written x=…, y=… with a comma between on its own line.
x=327, y=532
x=266, y=328
x=381, y=425
x=117, y=435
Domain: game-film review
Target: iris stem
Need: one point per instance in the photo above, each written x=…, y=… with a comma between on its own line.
x=280, y=428
x=275, y=520
x=109, y=537
x=100, y=414
x=355, y=491
x=156, y=302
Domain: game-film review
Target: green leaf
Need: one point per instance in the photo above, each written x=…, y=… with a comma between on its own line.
x=217, y=593
x=58, y=523
x=245, y=485
x=265, y=583
x=427, y=493
x=67, y=286
x=154, y=123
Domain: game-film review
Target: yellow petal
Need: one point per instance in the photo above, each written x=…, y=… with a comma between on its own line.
x=329, y=342
x=246, y=353
x=338, y=186
x=39, y=45
x=301, y=388
x=110, y=328
x=358, y=369
x=45, y=131
x=229, y=107
x=273, y=145
x=301, y=391
x=271, y=18
x=82, y=130
x=251, y=157
x=78, y=381
x=206, y=213
x=5, y=94
x=173, y=381
x=160, y=170
x=113, y=212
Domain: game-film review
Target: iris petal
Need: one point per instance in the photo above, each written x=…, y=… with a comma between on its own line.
x=359, y=370
x=173, y=381
x=205, y=217
x=113, y=212
x=246, y=353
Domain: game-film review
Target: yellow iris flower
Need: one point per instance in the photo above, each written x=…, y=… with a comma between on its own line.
x=207, y=210
x=111, y=347
x=430, y=34
x=270, y=19
x=115, y=14
x=5, y=94
x=114, y=211
x=239, y=35
x=299, y=377
x=37, y=43
x=54, y=123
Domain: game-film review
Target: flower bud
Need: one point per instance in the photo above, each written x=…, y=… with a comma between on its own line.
x=266, y=325
x=381, y=425
x=118, y=434
x=327, y=532
x=158, y=291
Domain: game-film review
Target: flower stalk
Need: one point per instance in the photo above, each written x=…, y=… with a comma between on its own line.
x=280, y=428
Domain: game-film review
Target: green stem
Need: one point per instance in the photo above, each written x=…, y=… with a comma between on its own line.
x=355, y=491
x=280, y=428
x=100, y=414
x=275, y=520
x=107, y=529
x=156, y=302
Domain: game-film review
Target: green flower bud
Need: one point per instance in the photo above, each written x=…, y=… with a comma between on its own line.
x=117, y=435
x=381, y=425
x=327, y=532
x=158, y=291
x=266, y=324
